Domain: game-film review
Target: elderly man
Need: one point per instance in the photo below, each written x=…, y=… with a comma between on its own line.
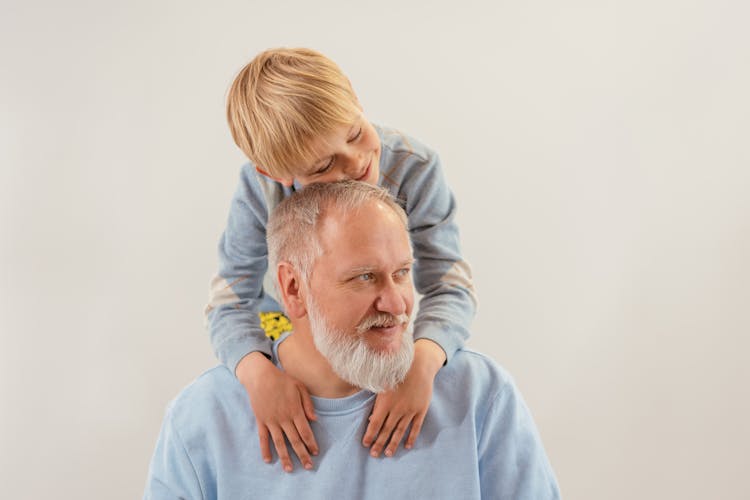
x=343, y=262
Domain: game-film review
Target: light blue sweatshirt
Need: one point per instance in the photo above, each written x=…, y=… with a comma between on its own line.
x=412, y=174
x=478, y=441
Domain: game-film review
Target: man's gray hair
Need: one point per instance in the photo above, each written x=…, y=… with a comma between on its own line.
x=292, y=230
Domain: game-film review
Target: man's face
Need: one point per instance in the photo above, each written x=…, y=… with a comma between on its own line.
x=361, y=283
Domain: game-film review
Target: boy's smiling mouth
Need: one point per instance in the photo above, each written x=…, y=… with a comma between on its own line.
x=366, y=173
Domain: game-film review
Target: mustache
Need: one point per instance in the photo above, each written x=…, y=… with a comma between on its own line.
x=382, y=320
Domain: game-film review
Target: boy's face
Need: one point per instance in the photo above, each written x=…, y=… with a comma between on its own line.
x=349, y=152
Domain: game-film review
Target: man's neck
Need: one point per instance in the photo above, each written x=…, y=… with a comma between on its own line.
x=299, y=358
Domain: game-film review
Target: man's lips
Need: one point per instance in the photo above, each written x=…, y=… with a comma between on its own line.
x=385, y=329
x=383, y=324
x=384, y=337
x=385, y=333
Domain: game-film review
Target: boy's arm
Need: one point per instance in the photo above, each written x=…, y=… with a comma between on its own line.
x=440, y=275
x=280, y=403
x=236, y=295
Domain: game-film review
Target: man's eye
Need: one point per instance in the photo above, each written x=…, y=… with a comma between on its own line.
x=366, y=277
x=357, y=135
x=403, y=273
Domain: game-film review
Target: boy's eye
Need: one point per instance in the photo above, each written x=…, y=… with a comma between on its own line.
x=325, y=168
x=356, y=136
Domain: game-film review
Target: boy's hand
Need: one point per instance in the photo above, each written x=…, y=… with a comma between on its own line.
x=407, y=404
x=282, y=407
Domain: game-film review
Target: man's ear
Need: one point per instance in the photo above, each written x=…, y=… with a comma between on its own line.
x=290, y=286
x=285, y=181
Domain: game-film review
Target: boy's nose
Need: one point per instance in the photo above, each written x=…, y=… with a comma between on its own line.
x=355, y=165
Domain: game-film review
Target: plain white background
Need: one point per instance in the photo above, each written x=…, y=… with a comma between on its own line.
x=598, y=151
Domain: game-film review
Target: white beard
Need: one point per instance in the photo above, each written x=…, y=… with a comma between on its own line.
x=356, y=362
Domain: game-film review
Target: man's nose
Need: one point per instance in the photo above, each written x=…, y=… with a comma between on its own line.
x=391, y=299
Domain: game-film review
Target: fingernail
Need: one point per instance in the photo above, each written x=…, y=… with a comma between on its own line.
x=374, y=453
x=388, y=453
x=288, y=468
x=308, y=465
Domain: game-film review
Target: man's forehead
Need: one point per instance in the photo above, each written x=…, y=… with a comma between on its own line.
x=371, y=236
x=372, y=220
x=368, y=211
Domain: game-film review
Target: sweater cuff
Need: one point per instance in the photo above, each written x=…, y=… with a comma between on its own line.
x=441, y=335
x=236, y=348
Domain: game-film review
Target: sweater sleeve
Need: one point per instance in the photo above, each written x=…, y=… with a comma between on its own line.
x=448, y=302
x=512, y=460
x=236, y=294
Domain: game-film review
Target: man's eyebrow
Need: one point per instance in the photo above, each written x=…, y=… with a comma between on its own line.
x=368, y=269
x=360, y=270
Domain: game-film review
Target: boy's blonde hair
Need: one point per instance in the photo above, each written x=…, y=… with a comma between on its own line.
x=283, y=100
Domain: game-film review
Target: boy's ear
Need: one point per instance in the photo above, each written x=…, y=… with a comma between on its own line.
x=285, y=181
x=290, y=287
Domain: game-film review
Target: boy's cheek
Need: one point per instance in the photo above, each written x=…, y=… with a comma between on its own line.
x=286, y=182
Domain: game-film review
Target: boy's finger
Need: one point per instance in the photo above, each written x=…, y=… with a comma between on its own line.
x=416, y=428
x=373, y=427
x=297, y=445
x=306, y=433
x=398, y=433
x=307, y=403
x=385, y=433
x=265, y=444
x=278, y=441
x=370, y=432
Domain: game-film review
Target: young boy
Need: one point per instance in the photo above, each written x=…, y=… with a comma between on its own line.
x=295, y=115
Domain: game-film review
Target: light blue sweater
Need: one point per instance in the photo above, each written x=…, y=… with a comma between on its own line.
x=478, y=441
x=412, y=174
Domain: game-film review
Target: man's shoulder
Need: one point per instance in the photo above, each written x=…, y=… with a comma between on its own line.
x=469, y=358
x=213, y=387
x=477, y=371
